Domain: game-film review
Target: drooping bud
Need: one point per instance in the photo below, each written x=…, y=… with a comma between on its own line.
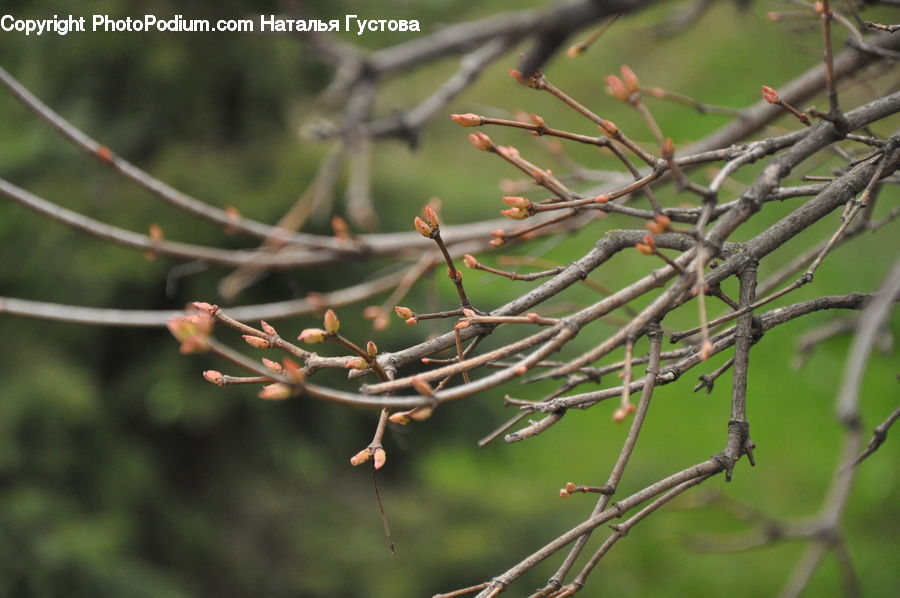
x=432, y=218
x=400, y=418
x=770, y=94
x=632, y=84
x=214, y=376
x=371, y=349
x=622, y=412
x=275, y=392
x=312, y=336
x=379, y=458
x=360, y=457
x=467, y=120
x=272, y=366
x=403, y=312
x=256, y=342
x=331, y=322
x=616, y=88
x=423, y=228
x=481, y=141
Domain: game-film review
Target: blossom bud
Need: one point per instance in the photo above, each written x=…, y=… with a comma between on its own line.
x=360, y=457
x=469, y=313
x=204, y=307
x=602, y=198
x=462, y=324
x=570, y=486
x=467, y=120
x=575, y=51
x=645, y=249
x=272, y=366
x=214, y=376
x=563, y=493
x=268, y=328
x=517, y=202
x=380, y=458
x=421, y=413
x=256, y=342
x=498, y=233
x=403, y=312
x=496, y=242
x=668, y=148
x=515, y=213
x=331, y=322
x=538, y=120
x=630, y=79
x=432, y=218
x=400, y=417
x=293, y=371
x=470, y=261
x=423, y=228
x=371, y=349
x=649, y=240
x=770, y=94
x=616, y=88
x=706, y=351
x=275, y=392
x=411, y=321
x=356, y=364
x=610, y=127
x=312, y=336
x=422, y=386
x=481, y=141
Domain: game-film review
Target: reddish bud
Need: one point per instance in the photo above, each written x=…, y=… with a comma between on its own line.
x=498, y=233
x=610, y=127
x=706, y=351
x=403, y=312
x=432, y=218
x=192, y=331
x=256, y=342
x=331, y=322
x=481, y=141
x=770, y=94
x=507, y=151
x=411, y=321
x=616, y=88
x=470, y=261
x=563, y=493
x=275, y=392
x=645, y=249
x=668, y=149
x=268, y=328
x=379, y=458
x=422, y=387
x=469, y=313
x=360, y=457
x=515, y=213
x=517, y=202
x=293, y=371
x=104, y=154
x=400, y=418
x=421, y=413
x=467, y=120
x=156, y=233
x=649, y=240
x=454, y=274
x=205, y=307
x=312, y=336
x=371, y=349
x=214, y=376
x=575, y=51
x=462, y=324
x=630, y=79
x=423, y=228
x=340, y=227
x=602, y=198
x=356, y=364
x=539, y=121
x=571, y=487
x=496, y=242
x=272, y=366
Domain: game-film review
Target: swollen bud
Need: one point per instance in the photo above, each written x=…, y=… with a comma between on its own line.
x=400, y=418
x=610, y=127
x=292, y=370
x=272, y=366
x=356, y=364
x=481, y=141
x=517, y=202
x=371, y=349
x=312, y=336
x=268, y=328
x=467, y=120
x=515, y=213
x=275, y=392
x=432, y=217
x=770, y=94
x=422, y=386
x=214, y=376
x=423, y=228
x=380, y=458
x=256, y=342
x=331, y=322
x=360, y=457
x=706, y=351
x=630, y=79
x=470, y=261
x=616, y=88
x=403, y=312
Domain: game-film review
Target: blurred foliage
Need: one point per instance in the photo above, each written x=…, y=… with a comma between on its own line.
x=122, y=473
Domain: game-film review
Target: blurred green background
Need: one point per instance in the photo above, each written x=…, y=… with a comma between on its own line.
x=123, y=473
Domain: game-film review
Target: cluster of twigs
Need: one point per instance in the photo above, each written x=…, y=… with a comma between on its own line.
x=689, y=254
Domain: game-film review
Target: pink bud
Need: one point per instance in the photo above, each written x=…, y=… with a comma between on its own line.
x=432, y=217
x=256, y=342
x=470, y=261
x=563, y=493
x=205, y=307
x=630, y=79
x=602, y=198
x=421, y=413
x=517, y=202
x=610, y=127
x=481, y=141
x=292, y=370
x=380, y=458
x=770, y=94
x=214, y=376
x=616, y=88
x=371, y=349
x=403, y=312
x=356, y=364
x=312, y=336
x=422, y=386
x=515, y=213
x=275, y=392
x=360, y=457
x=570, y=486
x=423, y=228
x=400, y=418
x=268, y=328
x=467, y=120
x=331, y=322
x=272, y=366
